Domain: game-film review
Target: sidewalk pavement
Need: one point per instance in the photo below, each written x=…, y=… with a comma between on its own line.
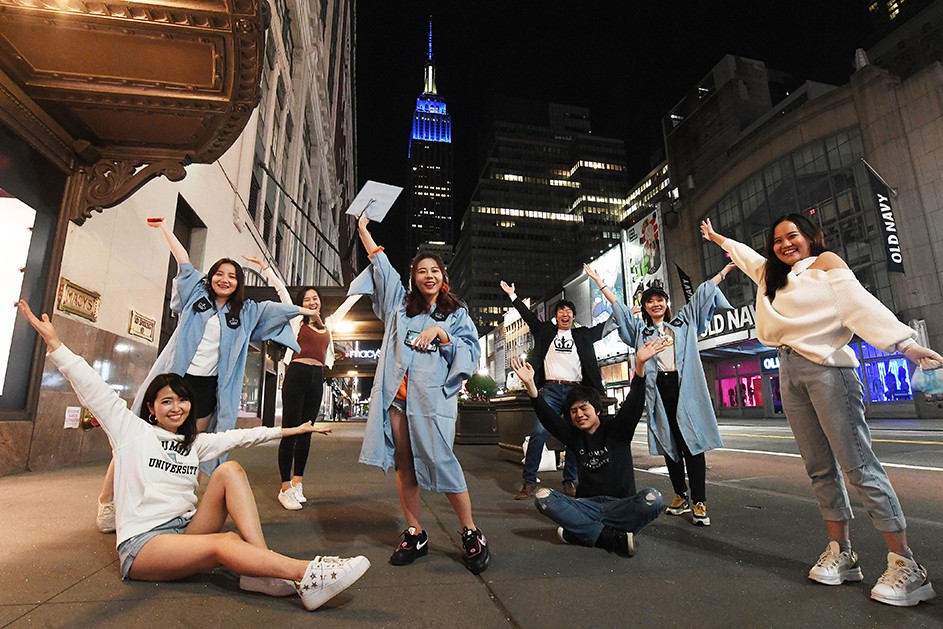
x=747, y=570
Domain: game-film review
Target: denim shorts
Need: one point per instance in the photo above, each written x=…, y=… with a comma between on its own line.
x=129, y=548
x=399, y=405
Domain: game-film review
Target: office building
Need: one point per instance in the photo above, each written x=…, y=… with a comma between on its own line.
x=550, y=195
x=430, y=169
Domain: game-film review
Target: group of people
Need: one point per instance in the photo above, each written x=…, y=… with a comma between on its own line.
x=183, y=419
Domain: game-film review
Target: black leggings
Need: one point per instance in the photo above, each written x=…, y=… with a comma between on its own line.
x=301, y=399
x=668, y=388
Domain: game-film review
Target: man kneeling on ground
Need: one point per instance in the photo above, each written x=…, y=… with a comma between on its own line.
x=607, y=512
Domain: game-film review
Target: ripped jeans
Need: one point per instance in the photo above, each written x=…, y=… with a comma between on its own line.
x=586, y=517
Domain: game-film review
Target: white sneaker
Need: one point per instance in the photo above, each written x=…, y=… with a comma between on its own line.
x=299, y=495
x=835, y=567
x=288, y=500
x=326, y=577
x=267, y=585
x=106, y=517
x=904, y=583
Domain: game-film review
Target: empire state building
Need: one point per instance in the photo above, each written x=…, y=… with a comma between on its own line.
x=430, y=170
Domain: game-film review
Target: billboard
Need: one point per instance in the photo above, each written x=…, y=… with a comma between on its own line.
x=644, y=256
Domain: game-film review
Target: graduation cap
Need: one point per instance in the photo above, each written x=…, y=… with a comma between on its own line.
x=375, y=199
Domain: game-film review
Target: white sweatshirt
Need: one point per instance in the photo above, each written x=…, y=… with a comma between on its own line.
x=817, y=312
x=154, y=481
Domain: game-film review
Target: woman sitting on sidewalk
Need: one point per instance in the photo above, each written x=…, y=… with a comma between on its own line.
x=162, y=534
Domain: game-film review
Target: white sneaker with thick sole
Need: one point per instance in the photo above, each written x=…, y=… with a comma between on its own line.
x=326, y=577
x=299, y=494
x=288, y=500
x=904, y=583
x=105, y=520
x=835, y=567
x=267, y=585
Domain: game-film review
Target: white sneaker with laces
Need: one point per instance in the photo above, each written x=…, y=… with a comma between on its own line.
x=106, y=517
x=835, y=567
x=325, y=577
x=299, y=495
x=288, y=500
x=904, y=583
x=267, y=585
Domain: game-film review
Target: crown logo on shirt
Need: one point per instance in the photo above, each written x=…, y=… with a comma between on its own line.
x=563, y=344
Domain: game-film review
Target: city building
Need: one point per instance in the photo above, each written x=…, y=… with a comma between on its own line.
x=174, y=125
x=430, y=170
x=915, y=43
x=855, y=159
x=888, y=15
x=550, y=194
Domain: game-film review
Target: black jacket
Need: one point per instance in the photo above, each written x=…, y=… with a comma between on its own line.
x=545, y=331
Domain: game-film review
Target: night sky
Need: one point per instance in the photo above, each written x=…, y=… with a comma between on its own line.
x=628, y=61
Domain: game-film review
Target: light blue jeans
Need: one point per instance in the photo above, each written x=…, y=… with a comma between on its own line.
x=825, y=409
x=554, y=394
x=586, y=517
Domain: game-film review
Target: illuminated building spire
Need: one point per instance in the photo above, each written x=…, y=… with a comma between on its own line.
x=430, y=68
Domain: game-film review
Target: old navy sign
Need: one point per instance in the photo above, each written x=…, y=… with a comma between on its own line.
x=892, y=244
x=735, y=320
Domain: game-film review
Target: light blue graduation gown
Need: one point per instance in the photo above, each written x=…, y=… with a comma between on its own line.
x=258, y=321
x=435, y=379
x=695, y=414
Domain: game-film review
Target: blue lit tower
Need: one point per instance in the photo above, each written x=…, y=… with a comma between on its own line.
x=430, y=169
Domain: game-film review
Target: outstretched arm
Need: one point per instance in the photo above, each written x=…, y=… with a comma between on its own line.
x=722, y=274
x=176, y=248
x=606, y=291
x=43, y=326
x=305, y=427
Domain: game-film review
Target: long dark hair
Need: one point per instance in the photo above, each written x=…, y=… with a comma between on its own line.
x=238, y=296
x=776, y=272
x=447, y=302
x=300, y=300
x=182, y=388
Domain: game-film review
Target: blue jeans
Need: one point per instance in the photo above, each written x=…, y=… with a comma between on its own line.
x=825, y=410
x=585, y=518
x=554, y=395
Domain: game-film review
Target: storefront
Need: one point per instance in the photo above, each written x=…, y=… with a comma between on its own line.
x=748, y=386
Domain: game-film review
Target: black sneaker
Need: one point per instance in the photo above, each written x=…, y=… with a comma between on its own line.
x=621, y=543
x=412, y=547
x=475, y=550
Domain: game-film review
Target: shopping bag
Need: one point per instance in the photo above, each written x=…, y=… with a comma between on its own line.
x=548, y=458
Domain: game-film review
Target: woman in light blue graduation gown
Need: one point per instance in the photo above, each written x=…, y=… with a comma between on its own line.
x=430, y=347
x=197, y=298
x=681, y=421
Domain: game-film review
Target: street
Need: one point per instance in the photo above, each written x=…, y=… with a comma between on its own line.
x=747, y=570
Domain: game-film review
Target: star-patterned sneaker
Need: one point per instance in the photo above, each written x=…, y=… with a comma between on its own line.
x=325, y=577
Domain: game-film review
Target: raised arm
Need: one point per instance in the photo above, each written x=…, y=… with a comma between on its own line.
x=553, y=422
x=365, y=237
x=272, y=278
x=606, y=291
x=748, y=260
x=93, y=392
x=176, y=248
x=526, y=313
x=631, y=410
